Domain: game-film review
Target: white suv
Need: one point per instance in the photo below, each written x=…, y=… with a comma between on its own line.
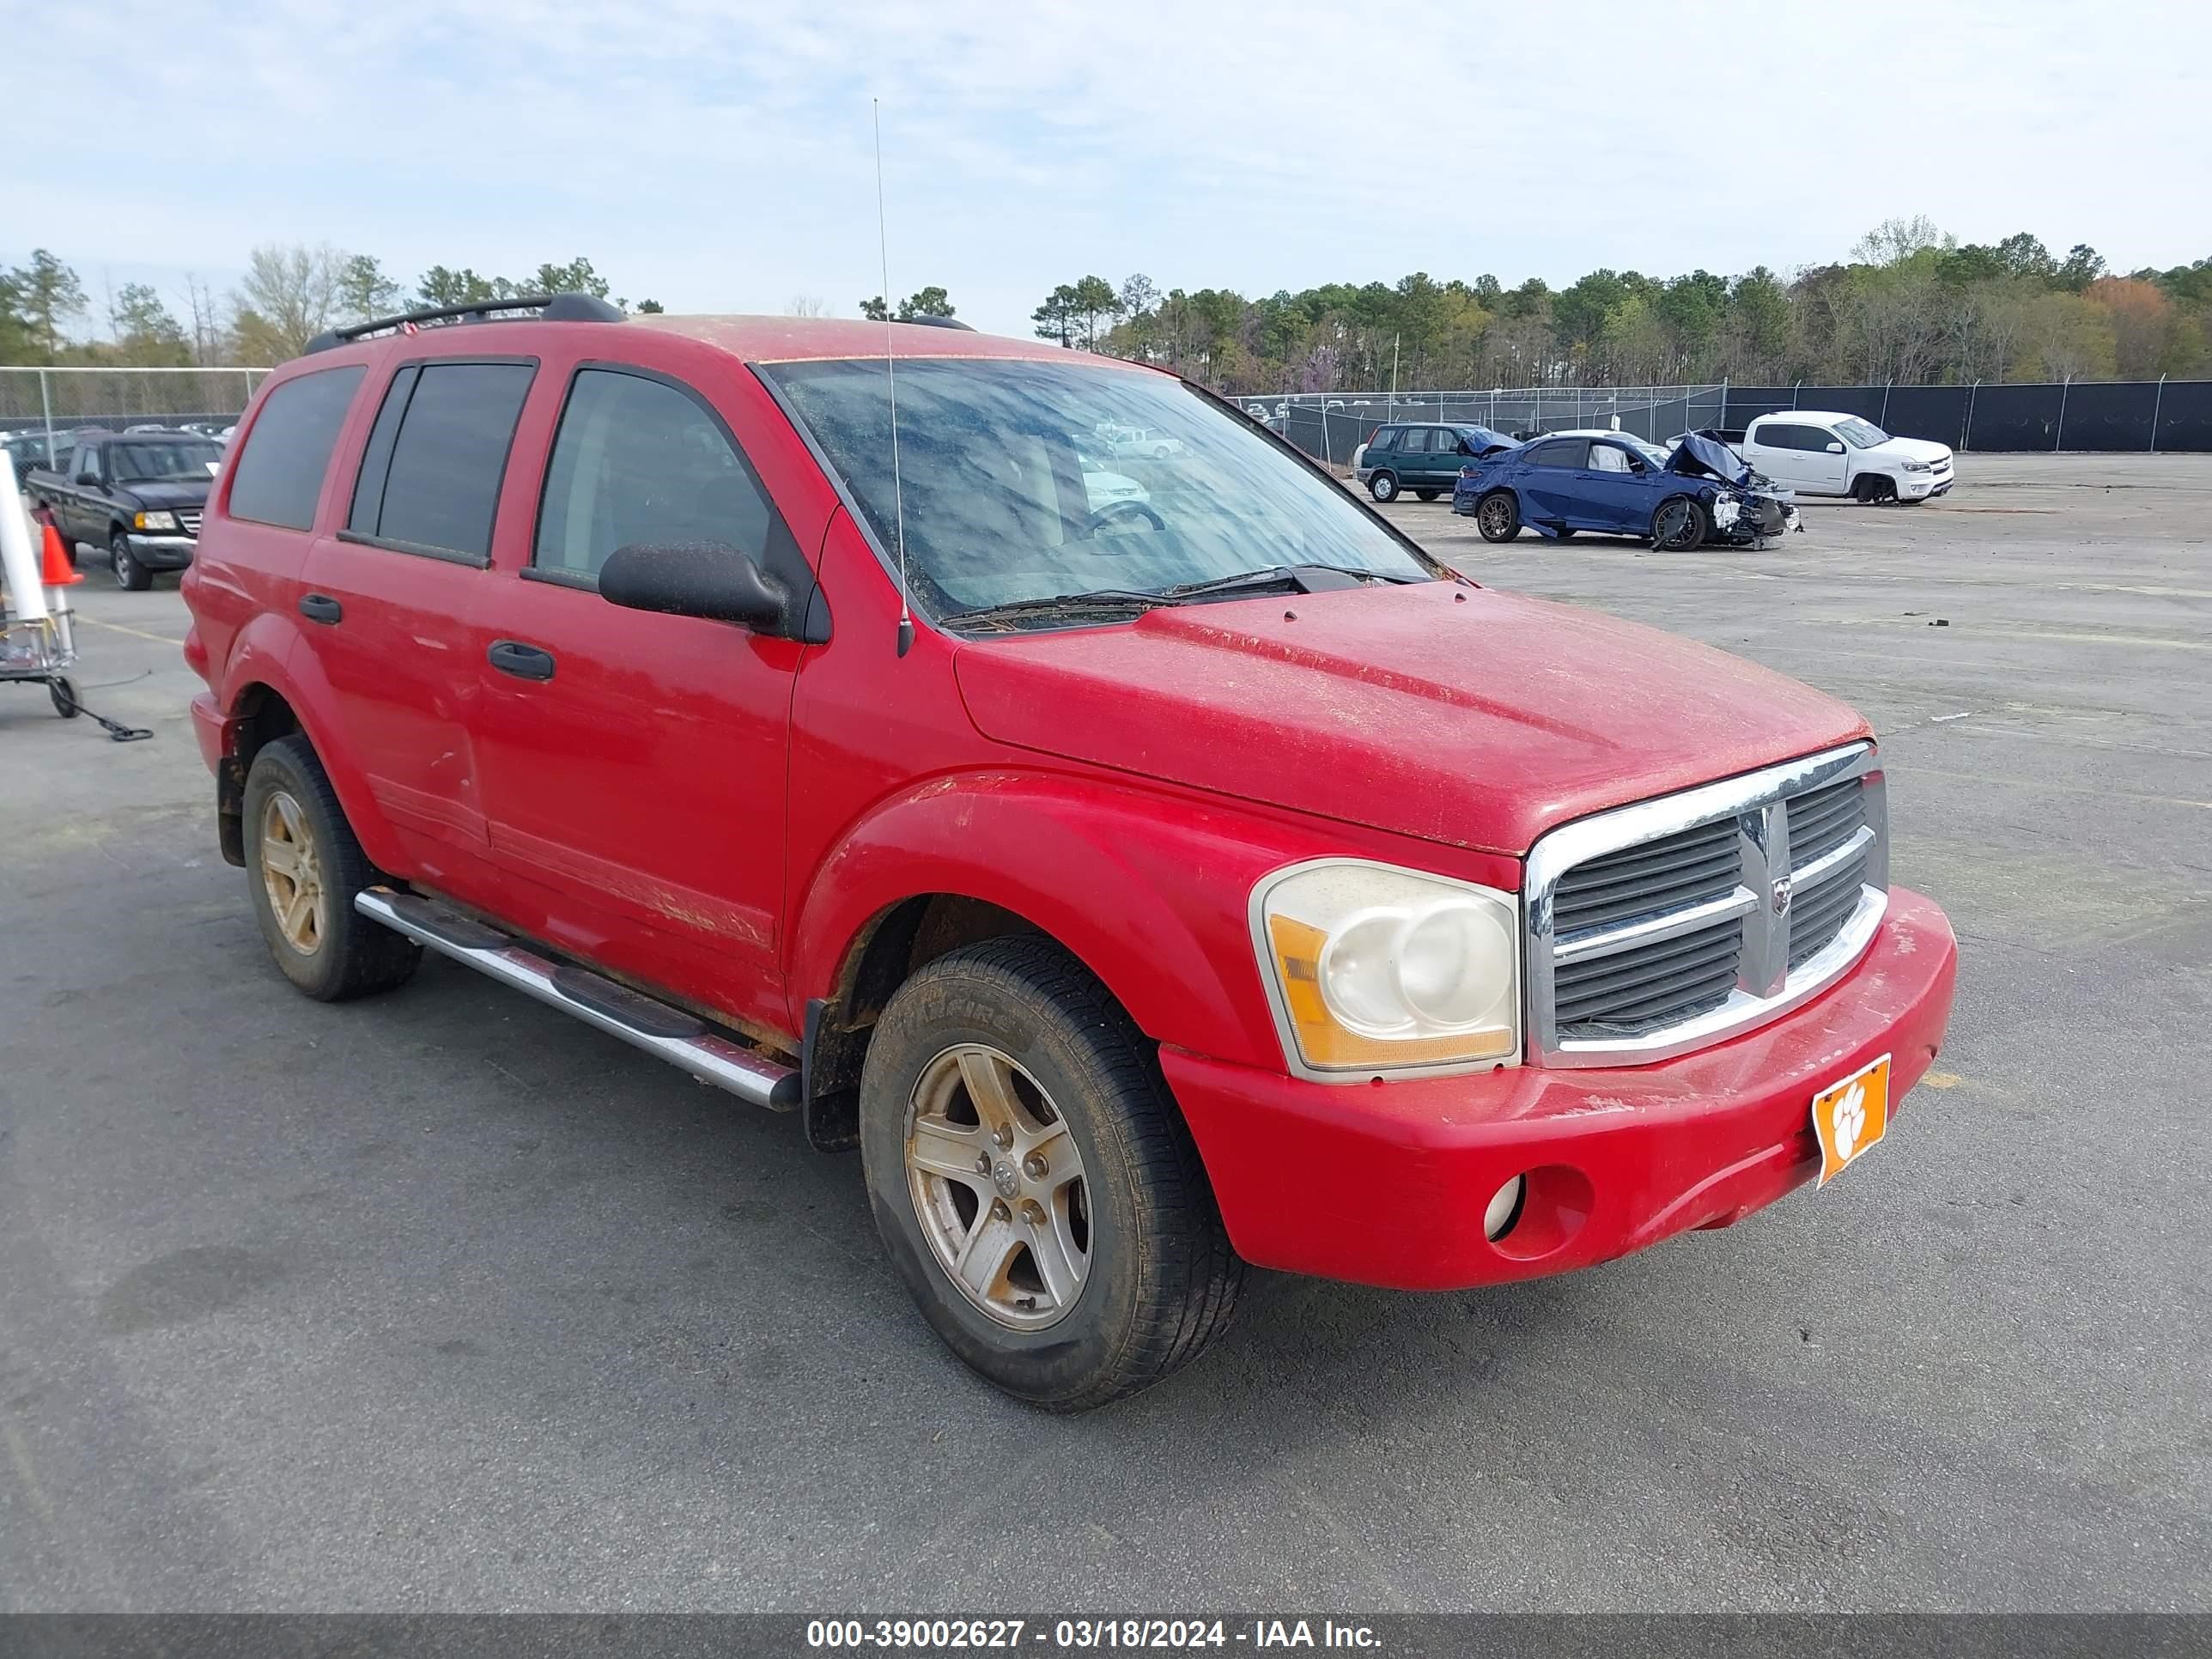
x=1818, y=454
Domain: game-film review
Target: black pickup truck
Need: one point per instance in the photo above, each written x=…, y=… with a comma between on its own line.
x=138, y=494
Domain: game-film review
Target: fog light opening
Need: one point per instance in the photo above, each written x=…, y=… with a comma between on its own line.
x=1505, y=1208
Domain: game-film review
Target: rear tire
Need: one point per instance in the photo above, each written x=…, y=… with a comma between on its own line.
x=1498, y=516
x=302, y=855
x=1426, y=495
x=1383, y=486
x=130, y=574
x=63, y=691
x=1134, y=1274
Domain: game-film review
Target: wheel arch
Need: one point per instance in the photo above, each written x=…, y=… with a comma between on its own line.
x=1130, y=894
x=281, y=691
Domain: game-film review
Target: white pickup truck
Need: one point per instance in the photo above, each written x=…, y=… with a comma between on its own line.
x=1819, y=453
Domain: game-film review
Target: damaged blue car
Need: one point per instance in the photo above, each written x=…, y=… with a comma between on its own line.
x=1612, y=484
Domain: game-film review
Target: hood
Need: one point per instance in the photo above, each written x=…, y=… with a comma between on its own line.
x=168, y=492
x=1918, y=449
x=1454, y=714
x=1487, y=442
x=1698, y=454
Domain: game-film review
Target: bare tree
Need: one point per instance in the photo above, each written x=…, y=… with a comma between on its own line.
x=289, y=296
x=805, y=304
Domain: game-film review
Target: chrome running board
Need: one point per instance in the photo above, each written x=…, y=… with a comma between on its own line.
x=664, y=1031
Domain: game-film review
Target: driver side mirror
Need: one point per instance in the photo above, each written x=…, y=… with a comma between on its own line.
x=708, y=579
x=88, y=477
x=1835, y=445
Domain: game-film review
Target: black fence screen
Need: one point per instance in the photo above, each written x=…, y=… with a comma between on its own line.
x=2130, y=416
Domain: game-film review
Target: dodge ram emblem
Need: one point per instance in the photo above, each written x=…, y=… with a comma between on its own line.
x=1782, y=896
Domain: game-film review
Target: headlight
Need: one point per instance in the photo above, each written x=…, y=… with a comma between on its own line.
x=1375, y=968
x=156, y=520
x=1916, y=466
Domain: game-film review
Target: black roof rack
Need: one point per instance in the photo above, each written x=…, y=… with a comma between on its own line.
x=548, y=308
x=939, y=322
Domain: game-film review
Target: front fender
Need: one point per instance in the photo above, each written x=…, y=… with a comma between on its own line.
x=1149, y=890
x=263, y=653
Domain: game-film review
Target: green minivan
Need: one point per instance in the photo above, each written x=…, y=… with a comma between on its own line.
x=1425, y=460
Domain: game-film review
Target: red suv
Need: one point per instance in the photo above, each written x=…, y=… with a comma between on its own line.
x=1153, y=867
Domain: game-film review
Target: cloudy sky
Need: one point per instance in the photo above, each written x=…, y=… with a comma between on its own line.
x=715, y=155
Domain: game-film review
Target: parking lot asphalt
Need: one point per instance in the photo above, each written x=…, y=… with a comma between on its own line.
x=442, y=1300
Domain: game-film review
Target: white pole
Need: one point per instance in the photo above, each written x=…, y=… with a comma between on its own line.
x=46, y=410
x=2156, y=403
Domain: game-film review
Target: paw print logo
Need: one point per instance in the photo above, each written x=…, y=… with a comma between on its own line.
x=1848, y=1121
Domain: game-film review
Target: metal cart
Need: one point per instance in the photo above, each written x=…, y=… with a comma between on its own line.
x=36, y=651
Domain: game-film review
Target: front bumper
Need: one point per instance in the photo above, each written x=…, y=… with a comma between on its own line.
x=1387, y=1183
x=162, y=552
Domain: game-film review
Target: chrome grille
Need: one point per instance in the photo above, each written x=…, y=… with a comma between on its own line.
x=1665, y=874
x=1821, y=820
x=189, y=521
x=1661, y=928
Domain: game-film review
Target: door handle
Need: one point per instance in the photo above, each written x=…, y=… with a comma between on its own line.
x=320, y=607
x=524, y=662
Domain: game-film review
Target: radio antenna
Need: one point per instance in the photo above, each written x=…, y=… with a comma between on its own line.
x=890, y=379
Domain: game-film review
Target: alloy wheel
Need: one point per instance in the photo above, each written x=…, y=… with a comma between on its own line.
x=998, y=1185
x=292, y=870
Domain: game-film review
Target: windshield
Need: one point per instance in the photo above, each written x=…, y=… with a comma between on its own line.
x=1651, y=452
x=140, y=463
x=1863, y=434
x=992, y=455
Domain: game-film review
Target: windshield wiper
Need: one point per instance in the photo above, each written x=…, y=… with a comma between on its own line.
x=1292, y=578
x=1299, y=578
x=1061, y=605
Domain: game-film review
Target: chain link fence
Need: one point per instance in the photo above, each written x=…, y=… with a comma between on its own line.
x=59, y=401
x=1330, y=425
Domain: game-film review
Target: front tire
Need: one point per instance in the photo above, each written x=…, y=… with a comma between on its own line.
x=1034, y=1181
x=304, y=867
x=1383, y=486
x=1498, y=516
x=1679, y=525
x=130, y=574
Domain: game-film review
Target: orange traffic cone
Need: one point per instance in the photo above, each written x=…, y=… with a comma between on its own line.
x=57, y=572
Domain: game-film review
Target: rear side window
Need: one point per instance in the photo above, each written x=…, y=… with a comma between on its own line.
x=638, y=459
x=1565, y=452
x=1386, y=439
x=430, y=475
x=278, y=477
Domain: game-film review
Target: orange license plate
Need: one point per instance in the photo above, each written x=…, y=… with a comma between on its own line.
x=1851, y=1117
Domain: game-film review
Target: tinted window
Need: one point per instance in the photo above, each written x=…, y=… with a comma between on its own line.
x=278, y=476
x=1386, y=439
x=1414, y=440
x=638, y=460
x=1608, y=457
x=1792, y=437
x=87, y=460
x=448, y=455
x=376, y=459
x=1565, y=452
